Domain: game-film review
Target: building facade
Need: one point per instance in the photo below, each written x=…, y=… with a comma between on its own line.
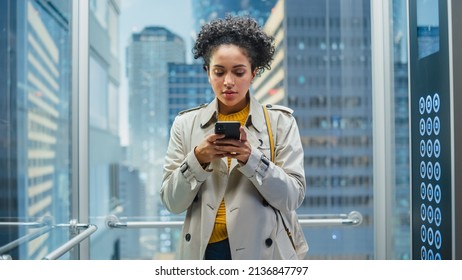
x=34, y=123
x=206, y=10
x=188, y=87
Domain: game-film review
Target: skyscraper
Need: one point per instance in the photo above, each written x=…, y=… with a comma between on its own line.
x=148, y=55
x=34, y=122
x=206, y=10
x=188, y=87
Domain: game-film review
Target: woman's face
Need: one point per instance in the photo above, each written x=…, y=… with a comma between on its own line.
x=230, y=75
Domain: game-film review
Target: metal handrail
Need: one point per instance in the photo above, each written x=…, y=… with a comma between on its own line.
x=113, y=221
x=43, y=222
x=24, y=239
x=47, y=225
x=25, y=224
x=90, y=229
x=353, y=218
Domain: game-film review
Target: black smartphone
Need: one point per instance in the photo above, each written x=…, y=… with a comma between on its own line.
x=229, y=129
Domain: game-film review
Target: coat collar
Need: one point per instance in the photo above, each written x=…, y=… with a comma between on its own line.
x=209, y=114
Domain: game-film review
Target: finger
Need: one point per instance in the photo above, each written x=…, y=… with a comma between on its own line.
x=214, y=137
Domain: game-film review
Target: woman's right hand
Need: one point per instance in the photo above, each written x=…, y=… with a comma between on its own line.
x=206, y=151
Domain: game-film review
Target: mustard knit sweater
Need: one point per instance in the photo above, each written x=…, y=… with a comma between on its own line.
x=219, y=232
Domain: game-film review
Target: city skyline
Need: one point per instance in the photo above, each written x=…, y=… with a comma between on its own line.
x=134, y=17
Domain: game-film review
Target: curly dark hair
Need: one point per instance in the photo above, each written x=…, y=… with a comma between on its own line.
x=243, y=32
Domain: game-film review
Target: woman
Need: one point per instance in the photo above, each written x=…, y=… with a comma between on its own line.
x=229, y=187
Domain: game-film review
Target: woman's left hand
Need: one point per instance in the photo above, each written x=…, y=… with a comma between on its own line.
x=238, y=149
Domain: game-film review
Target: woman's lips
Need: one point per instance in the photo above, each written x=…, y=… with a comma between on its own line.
x=229, y=93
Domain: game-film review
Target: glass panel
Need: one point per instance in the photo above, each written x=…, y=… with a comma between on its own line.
x=107, y=169
x=326, y=78
x=129, y=120
x=321, y=70
x=35, y=125
x=400, y=199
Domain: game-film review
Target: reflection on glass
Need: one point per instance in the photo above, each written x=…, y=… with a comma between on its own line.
x=109, y=176
x=35, y=130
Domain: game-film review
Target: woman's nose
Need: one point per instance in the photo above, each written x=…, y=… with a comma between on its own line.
x=229, y=81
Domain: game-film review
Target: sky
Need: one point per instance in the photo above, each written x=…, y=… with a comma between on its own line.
x=175, y=15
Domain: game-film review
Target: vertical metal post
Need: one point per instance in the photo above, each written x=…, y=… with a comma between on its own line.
x=383, y=130
x=455, y=69
x=80, y=68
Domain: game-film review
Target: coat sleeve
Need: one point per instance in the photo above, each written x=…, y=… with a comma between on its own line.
x=182, y=174
x=282, y=182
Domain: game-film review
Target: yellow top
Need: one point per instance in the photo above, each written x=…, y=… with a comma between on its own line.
x=219, y=232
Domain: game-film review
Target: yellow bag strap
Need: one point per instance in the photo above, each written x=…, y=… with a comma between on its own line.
x=271, y=141
x=270, y=132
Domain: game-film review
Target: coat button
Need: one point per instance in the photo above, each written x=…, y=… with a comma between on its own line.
x=268, y=242
x=187, y=237
x=265, y=203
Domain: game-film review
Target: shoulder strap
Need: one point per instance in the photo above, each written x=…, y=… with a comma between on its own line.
x=270, y=132
x=271, y=140
x=284, y=109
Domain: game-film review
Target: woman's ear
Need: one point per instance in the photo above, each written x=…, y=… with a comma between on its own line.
x=254, y=74
x=206, y=69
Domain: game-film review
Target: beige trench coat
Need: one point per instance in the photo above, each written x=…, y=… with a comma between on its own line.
x=253, y=230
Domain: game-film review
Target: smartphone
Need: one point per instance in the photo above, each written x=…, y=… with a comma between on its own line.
x=229, y=129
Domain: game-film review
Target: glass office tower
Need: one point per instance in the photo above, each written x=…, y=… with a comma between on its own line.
x=149, y=53
x=35, y=86
x=206, y=10
x=188, y=87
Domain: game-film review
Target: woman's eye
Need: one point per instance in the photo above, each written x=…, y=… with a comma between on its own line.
x=218, y=73
x=240, y=74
